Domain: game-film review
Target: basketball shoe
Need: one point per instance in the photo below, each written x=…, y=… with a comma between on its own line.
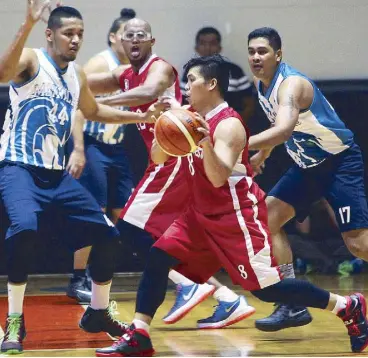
x=134, y=343
x=355, y=320
x=227, y=313
x=187, y=297
x=79, y=288
x=284, y=316
x=15, y=332
x=95, y=321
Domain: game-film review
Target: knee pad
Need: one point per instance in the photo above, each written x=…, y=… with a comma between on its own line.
x=103, y=259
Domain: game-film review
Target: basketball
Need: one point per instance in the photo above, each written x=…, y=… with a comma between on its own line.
x=176, y=132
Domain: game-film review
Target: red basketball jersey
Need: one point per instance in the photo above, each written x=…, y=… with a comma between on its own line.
x=240, y=191
x=161, y=195
x=129, y=80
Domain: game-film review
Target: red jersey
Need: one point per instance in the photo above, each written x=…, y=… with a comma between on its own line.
x=129, y=79
x=162, y=194
x=240, y=191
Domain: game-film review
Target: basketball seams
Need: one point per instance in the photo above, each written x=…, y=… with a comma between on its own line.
x=184, y=130
x=163, y=133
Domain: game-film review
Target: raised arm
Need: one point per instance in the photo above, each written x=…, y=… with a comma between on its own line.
x=294, y=94
x=103, y=81
x=220, y=158
x=160, y=77
x=19, y=63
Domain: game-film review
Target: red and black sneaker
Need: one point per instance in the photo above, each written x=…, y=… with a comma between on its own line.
x=355, y=320
x=95, y=321
x=134, y=343
x=15, y=332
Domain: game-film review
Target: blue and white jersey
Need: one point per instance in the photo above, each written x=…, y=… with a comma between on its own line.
x=107, y=133
x=319, y=132
x=39, y=119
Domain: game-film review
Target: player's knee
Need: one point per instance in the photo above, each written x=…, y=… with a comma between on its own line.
x=268, y=294
x=103, y=260
x=357, y=243
x=136, y=239
x=24, y=222
x=160, y=260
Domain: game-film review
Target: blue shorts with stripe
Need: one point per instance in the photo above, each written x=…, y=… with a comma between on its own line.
x=339, y=179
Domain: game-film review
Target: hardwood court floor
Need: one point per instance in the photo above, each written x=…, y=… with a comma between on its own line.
x=52, y=325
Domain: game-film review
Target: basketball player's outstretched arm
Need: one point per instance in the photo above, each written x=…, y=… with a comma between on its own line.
x=220, y=157
x=19, y=63
x=160, y=77
x=103, y=81
x=101, y=113
x=294, y=93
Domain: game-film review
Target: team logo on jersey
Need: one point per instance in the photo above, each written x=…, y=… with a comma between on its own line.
x=126, y=85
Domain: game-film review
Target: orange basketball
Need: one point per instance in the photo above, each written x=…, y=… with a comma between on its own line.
x=176, y=132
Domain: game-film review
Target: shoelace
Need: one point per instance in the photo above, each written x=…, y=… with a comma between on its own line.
x=14, y=324
x=112, y=311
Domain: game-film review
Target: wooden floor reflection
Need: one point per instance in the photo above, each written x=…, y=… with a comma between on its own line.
x=52, y=325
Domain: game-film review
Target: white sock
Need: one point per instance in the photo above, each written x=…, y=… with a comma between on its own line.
x=287, y=270
x=141, y=325
x=15, y=298
x=341, y=303
x=100, y=296
x=177, y=278
x=225, y=294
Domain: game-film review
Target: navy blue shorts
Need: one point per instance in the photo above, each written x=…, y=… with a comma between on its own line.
x=107, y=174
x=340, y=179
x=30, y=194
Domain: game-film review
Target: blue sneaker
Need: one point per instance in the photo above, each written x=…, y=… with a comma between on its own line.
x=284, y=316
x=355, y=320
x=187, y=297
x=227, y=313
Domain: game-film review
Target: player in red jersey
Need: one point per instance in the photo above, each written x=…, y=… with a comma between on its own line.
x=162, y=194
x=225, y=224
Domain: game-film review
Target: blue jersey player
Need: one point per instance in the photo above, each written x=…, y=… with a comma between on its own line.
x=107, y=174
x=46, y=89
x=328, y=163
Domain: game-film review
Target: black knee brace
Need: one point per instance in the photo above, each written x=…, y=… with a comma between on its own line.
x=103, y=259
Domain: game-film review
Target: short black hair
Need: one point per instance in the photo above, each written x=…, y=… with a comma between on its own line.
x=208, y=31
x=60, y=12
x=210, y=67
x=268, y=33
x=125, y=15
